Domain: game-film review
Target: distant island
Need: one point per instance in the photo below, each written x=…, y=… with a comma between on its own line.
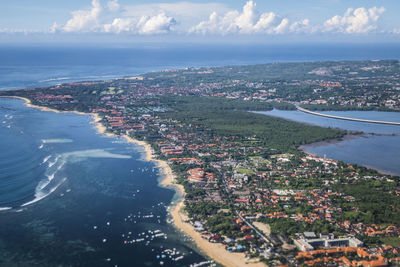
x=250, y=195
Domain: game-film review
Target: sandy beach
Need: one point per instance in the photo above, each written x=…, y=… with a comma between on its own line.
x=213, y=250
x=28, y=103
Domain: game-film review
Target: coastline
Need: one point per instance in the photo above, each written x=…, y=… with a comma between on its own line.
x=29, y=104
x=216, y=251
x=213, y=250
x=347, y=137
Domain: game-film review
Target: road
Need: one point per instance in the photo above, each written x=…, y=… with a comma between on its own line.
x=345, y=118
x=255, y=229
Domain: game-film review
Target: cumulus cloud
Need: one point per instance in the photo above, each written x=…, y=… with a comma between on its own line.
x=54, y=28
x=158, y=24
x=248, y=21
x=114, y=20
x=84, y=20
x=121, y=25
x=113, y=6
x=245, y=21
x=186, y=11
x=300, y=26
x=281, y=28
x=360, y=20
x=207, y=18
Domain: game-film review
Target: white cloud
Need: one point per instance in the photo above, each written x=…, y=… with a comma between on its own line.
x=185, y=11
x=18, y=31
x=145, y=25
x=186, y=17
x=84, y=20
x=113, y=19
x=300, y=26
x=265, y=22
x=281, y=28
x=113, y=5
x=156, y=24
x=248, y=21
x=121, y=25
x=186, y=14
x=360, y=20
x=54, y=28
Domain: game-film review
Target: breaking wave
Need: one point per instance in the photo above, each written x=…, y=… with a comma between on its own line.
x=96, y=153
x=56, y=141
x=46, y=159
x=39, y=195
x=51, y=182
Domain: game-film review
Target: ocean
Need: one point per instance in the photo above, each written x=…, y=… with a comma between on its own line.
x=36, y=66
x=71, y=197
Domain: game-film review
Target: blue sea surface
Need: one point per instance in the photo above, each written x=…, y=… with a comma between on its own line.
x=36, y=66
x=377, y=148
x=71, y=197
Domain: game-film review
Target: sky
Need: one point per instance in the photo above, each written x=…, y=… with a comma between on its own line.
x=174, y=21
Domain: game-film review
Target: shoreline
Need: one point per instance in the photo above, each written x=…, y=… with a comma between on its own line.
x=29, y=104
x=347, y=137
x=215, y=251
x=336, y=141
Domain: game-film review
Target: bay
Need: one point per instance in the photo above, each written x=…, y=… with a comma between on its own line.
x=378, y=147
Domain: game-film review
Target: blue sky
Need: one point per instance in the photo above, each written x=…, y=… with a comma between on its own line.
x=259, y=20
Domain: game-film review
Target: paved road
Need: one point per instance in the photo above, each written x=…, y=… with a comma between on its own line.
x=346, y=118
x=255, y=229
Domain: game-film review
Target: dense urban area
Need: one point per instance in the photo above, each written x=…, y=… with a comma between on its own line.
x=247, y=184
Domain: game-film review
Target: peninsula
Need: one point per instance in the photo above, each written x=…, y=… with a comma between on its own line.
x=249, y=195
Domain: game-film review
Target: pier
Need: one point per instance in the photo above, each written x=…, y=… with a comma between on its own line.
x=345, y=118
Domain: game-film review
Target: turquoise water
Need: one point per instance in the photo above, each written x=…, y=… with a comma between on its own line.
x=378, y=147
x=70, y=196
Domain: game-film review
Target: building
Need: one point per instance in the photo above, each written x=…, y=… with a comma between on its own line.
x=309, y=241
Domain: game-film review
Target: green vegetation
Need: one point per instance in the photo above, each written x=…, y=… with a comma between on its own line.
x=222, y=224
x=230, y=118
x=245, y=171
x=374, y=205
x=289, y=227
x=201, y=210
x=392, y=241
x=195, y=103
